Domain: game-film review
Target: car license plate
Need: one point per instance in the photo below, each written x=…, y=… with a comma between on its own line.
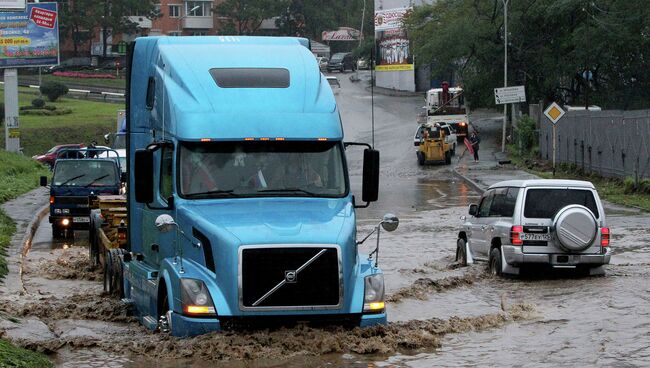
x=81, y=219
x=542, y=237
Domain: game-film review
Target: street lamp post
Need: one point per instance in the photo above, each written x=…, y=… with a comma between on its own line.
x=505, y=71
x=180, y=19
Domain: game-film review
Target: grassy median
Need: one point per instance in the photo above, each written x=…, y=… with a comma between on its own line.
x=88, y=121
x=15, y=357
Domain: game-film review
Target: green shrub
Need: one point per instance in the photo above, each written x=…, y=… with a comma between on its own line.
x=644, y=186
x=629, y=186
x=38, y=103
x=53, y=90
x=525, y=135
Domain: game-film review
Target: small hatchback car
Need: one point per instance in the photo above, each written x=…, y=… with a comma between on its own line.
x=560, y=223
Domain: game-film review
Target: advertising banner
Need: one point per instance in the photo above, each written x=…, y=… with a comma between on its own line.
x=393, y=49
x=31, y=37
x=390, y=19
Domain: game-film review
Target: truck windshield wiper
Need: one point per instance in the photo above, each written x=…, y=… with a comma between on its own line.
x=228, y=192
x=287, y=190
x=96, y=179
x=73, y=178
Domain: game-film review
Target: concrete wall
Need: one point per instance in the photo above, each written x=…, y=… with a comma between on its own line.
x=610, y=143
x=400, y=81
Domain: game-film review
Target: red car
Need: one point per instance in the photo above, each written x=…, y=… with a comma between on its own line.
x=49, y=157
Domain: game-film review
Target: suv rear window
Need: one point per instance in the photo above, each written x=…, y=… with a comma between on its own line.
x=544, y=203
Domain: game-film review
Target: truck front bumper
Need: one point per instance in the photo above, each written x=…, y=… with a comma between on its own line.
x=81, y=222
x=182, y=326
x=514, y=256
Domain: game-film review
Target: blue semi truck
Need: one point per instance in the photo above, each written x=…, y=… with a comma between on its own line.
x=239, y=202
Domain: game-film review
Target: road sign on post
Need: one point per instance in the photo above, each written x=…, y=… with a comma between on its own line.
x=508, y=95
x=554, y=113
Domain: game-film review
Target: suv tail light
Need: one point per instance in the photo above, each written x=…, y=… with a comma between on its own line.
x=515, y=233
x=604, y=237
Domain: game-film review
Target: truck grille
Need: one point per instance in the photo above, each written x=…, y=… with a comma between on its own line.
x=79, y=200
x=289, y=278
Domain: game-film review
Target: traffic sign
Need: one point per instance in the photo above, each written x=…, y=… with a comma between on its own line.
x=508, y=95
x=554, y=113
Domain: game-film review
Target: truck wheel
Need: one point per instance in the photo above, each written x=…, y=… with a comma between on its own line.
x=447, y=157
x=453, y=150
x=118, y=280
x=461, y=252
x=420, y=156
x=108, y=272
x=494, y=265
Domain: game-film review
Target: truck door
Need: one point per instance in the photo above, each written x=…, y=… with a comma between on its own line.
x=157, y=245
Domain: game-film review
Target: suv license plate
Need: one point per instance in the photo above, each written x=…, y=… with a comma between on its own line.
x=81, y=219
x=542, y=237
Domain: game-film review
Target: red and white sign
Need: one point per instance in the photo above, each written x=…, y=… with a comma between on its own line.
x=390, y=19
x=43, y=17
x=342, y=34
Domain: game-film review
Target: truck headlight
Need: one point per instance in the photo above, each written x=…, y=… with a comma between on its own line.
x=65, y=210
x=373, y=297
x=195, y=298
x=57, y=211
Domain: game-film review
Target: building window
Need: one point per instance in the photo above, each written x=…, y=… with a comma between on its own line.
x=174, y=33
x=174, y=11
x=200, y=33
x=198, y=8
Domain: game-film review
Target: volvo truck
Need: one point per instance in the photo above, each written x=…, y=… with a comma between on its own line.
x=239, y=202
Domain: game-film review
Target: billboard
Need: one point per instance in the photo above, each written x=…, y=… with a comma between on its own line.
x=30, y=37
x=390, y=19
x=342, y=34
x=392, y=42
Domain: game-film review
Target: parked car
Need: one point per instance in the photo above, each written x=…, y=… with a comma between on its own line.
x=112, y=64
x=560, y=223
x=322, y=63
x=363, y=63
x=334, y=84
x=341, y=61
x=49, y=157
x=79, y=63
x=450, y=135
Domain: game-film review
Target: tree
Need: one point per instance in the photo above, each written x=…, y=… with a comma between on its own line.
x=562, y=50
x=77, y=22
x=245, y=16
x=112, y=16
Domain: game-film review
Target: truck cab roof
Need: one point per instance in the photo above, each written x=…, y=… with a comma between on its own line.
x=220, y=86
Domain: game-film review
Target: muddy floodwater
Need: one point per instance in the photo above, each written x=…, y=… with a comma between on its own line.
x=439, y=314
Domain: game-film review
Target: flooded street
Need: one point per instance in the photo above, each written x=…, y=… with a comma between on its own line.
x=439, y=314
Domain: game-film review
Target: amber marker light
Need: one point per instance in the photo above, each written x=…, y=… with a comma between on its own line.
x=249, y=139
x=279, y=139
x=264, y=139
x=206, y=140
x=199, y=309
x=322, y=139
x=375, y=306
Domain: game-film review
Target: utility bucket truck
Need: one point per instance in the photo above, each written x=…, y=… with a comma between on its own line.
x=239, y=204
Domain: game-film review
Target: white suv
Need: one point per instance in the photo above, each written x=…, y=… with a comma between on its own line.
x=560, y=223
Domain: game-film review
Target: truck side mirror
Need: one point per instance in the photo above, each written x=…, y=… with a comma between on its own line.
x=143, y=176
x=43, y=181
x=473, y=210
x=370, y=186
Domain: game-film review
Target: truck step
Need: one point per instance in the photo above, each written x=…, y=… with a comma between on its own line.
x=128, y=302
x=150, y=323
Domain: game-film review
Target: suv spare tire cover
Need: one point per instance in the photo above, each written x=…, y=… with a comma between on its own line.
x=575, y=227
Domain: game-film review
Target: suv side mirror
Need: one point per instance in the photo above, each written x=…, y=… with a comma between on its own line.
x=43, y=181
x=473, y=210
x=143, y=176
x=370, y=186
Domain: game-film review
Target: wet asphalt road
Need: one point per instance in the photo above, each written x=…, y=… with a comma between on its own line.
x=603, y=321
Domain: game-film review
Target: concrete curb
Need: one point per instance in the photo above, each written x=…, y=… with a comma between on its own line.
x=469, y=181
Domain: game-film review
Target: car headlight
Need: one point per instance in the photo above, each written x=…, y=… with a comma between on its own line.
x=57, y=211
x=65, y=210
x=373, y=298
x=195, y=298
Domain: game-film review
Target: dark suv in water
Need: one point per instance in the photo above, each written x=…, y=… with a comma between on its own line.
x=560, y=223
x=341, y=61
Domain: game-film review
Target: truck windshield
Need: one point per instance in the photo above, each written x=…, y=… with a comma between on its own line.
x=261, y=168
x=83, y=173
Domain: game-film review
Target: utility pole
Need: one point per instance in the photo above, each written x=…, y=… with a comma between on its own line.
x=505, y=71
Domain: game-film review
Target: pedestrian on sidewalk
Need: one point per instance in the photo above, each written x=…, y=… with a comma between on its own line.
x=474, y=139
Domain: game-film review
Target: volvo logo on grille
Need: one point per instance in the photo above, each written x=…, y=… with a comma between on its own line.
x=291, y=277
